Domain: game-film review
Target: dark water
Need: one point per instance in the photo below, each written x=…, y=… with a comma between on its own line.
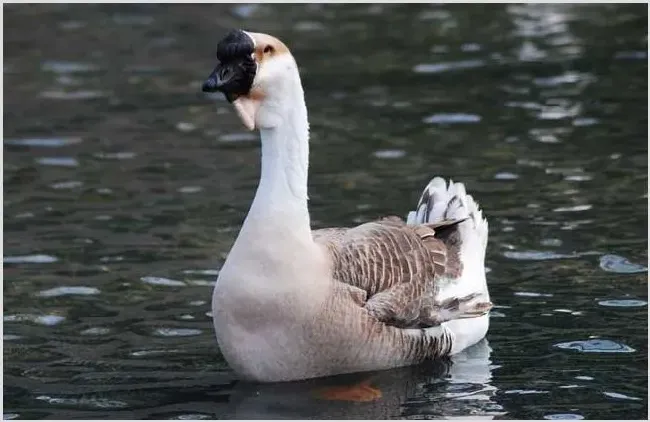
x=124, y=188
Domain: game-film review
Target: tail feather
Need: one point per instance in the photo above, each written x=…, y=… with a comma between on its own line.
x=464, y=301
x=448, y=202
x=441, y=202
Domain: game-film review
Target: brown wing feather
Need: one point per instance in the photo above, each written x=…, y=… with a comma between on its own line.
x=397, y=265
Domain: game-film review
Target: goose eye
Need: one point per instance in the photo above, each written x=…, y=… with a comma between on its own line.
x=268, y=49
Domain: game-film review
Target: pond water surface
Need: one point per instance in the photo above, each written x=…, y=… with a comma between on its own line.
x=124, y=187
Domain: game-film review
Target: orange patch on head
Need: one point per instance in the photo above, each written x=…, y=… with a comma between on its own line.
x=267, y=46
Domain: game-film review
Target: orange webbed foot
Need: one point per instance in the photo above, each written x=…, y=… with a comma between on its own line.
x=360, y=392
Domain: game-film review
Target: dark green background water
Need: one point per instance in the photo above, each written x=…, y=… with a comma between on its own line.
x=124, y=188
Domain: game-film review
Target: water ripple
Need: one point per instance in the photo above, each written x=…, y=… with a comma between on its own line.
x=619, y=396
x=574, y=208
x=124, y=155
x=237, y=137
x=43, y=142
x=596, y=346
x=95, y=331
x=58, y=66
x=73, y=95
x=451, y=118
x=537, y=255
x=177, y=332
x=387, y=154
x=623, y=303
x=563, y=416
x=68, y=291
x=161, y=281
x=47, y=320
x=448, y=66
x=58, y=161
x=29, y=259
x=505, y=175
x=619, y=264
x=99, y=403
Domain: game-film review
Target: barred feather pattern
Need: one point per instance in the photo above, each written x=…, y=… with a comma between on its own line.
x=398, y=266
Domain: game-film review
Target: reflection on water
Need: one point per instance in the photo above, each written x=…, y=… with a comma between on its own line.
x=437, y=389
x=124, y=187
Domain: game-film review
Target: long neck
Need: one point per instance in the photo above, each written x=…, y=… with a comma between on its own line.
x=281, y=198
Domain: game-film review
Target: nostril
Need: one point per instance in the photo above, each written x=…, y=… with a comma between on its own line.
x=210, y=85
x=224, y=75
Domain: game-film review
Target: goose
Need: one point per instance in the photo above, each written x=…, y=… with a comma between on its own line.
x=292, y=303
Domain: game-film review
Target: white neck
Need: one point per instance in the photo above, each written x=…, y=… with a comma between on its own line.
x=281, y=198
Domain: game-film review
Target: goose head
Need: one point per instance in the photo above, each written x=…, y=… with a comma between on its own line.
x=257, y=74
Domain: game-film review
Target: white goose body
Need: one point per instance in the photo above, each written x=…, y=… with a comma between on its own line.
x=291, y=303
